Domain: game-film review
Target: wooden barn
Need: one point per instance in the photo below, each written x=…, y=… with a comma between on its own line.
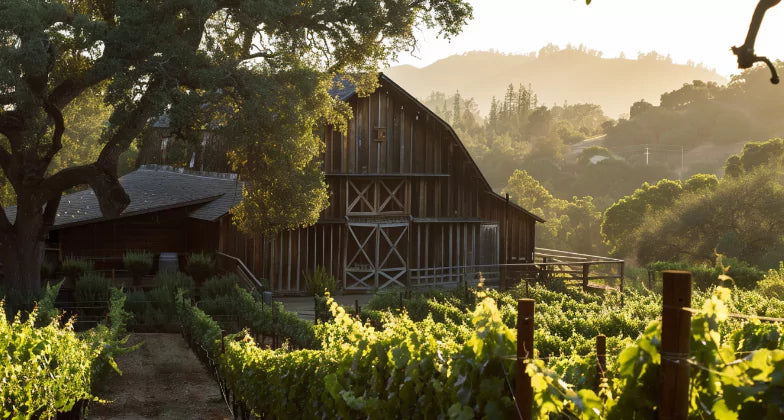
x=408, y=207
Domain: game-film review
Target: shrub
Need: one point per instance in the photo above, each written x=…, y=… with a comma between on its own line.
x=160, y=311
x=170, y=281
x=92, y=287
x=742, y=274
x=74, y=267
x=218, y=286
x=320, y=281
x=138, y=263
x=137, y=303
x=772, y=286
x=200, y=266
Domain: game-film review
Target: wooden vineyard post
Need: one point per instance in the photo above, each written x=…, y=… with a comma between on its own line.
x=524, y=393
x=586, y=269
x=676, y=329
x=601, y=356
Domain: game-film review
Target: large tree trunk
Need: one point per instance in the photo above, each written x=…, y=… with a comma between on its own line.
x=22, y=251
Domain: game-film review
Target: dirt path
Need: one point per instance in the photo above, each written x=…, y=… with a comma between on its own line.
x=161, y=379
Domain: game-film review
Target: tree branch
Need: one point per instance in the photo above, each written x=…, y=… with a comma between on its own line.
x=50, y=212
x=111, y=196
x=59, y=128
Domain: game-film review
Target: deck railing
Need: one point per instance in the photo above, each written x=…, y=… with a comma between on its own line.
x=583, y=269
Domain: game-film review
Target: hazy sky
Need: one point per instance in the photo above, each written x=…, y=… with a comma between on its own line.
x=700, y=30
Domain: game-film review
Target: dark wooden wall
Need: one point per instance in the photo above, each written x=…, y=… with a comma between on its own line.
x=163, y=231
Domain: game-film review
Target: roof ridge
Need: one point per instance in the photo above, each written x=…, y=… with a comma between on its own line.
x=189, y=172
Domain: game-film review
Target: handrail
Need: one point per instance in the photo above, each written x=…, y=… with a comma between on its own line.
x=248, y=275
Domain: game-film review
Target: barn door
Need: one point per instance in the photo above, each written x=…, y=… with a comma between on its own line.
x=392, y=254
x=376, y=255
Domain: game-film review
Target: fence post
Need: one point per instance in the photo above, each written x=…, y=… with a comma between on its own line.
x=586, y=269
x=676, y=329
x=601, y=356
x=524, y=393
x=623, y=267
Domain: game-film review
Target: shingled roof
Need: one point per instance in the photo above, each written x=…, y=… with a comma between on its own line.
x=153, y=188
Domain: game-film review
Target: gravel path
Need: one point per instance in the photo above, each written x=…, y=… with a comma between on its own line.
x=161, y=379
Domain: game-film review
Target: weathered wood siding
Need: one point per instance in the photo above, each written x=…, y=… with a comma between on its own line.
x=407, y=206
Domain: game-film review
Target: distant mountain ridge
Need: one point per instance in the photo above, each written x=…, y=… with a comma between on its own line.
x=570, y=75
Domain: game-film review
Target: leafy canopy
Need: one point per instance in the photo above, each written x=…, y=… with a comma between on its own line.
x=255, y=71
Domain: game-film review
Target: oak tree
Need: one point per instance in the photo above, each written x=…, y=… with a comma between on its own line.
x=258, y=70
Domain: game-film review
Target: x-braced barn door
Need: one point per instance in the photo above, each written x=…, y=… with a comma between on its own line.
x=376, y=255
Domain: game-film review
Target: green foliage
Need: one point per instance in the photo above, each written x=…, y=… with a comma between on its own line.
x=171, y=281
x=197, y=325
x=450, y=353
x=45, y=370
x=92, y=287
x=218, y=286
x=200, y=265
x=704, y=275
x=625, y=216
x=162, y=311
x=74, y=268
x=223, y=298
x=47, y=311
x=740, y=218
x=139, y=263
x=48, y=369
x=121, y=64
x=756, y=155
x=572, y=225
x=772, y=286
x=320, y=282
x=735, y=375
x=399, y=371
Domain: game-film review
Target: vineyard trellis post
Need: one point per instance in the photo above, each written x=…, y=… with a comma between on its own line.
x=676, y=330
x=601, y=357
x=524, y=393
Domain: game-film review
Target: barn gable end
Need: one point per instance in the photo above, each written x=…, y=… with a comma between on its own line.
x=408, y=207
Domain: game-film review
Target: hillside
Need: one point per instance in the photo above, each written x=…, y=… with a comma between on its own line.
x=570, y=74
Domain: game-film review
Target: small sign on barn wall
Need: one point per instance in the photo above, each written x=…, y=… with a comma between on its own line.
x=381, y=134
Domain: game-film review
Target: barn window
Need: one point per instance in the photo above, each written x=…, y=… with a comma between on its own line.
x=381, y=133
